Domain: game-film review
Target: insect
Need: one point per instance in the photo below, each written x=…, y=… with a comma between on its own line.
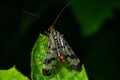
x=58, y=49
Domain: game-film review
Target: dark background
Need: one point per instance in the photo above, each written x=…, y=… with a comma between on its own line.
x=92, y=29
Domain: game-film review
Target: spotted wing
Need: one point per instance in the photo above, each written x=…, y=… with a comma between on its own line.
x=70, y=56
x=49, y=64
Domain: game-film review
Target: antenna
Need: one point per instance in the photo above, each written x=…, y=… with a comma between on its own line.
x=55, y=18
x=60, y=13
x=30, y=13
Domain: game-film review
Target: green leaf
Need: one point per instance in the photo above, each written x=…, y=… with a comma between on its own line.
x=37, y=58
x=12, y=74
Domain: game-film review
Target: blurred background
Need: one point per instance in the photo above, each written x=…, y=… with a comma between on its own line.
x=91, y=27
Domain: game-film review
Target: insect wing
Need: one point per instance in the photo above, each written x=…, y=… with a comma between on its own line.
x=49, y=64
x=69, y=54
